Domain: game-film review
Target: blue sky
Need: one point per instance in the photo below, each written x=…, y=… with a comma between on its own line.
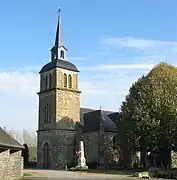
x=111, y=42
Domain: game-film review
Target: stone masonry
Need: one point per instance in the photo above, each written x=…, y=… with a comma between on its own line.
x=68, y=105
x=11, y=165
x=67, y=99
x=61, y=148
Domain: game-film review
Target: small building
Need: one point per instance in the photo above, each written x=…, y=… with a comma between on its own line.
x=11, y=160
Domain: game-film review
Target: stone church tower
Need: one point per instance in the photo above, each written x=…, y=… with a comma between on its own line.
x=59, y=108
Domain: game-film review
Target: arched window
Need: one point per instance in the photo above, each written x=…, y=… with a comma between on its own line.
x=76, y=82
x=70, y=81
x=65, y=80
x=62, y=54
x=47, y=114
x=46, y=156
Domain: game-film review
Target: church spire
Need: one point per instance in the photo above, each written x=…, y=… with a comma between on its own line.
x=58, y=51
x=58, y=39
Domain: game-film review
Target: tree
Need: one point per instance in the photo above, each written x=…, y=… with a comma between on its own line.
x=151, y=106
x=26, y=137
x=29, y=137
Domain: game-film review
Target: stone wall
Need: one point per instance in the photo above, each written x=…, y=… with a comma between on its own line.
x=44, y=99
x=4, y=165
x=68, y=105
x=60, y=78
x=16, y=164
x=111, y=155
x=100, y=145
x=11, y=165
x=174, y=159
x=61, y=148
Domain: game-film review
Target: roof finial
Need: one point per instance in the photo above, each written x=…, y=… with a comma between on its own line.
x=59, y=10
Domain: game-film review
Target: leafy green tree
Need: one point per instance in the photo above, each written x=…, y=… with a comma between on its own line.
x=151, y=107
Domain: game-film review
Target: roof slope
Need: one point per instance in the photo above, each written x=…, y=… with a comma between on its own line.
x=82, y=112
x=87, y=110
x=115, y=117
x=93, y=119
x=60, y=64
x=6, y=140
x=108, y=124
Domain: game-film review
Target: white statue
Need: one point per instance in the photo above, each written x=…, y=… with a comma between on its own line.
x=81, y=158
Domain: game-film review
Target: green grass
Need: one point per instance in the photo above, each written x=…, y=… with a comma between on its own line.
x=28, y=174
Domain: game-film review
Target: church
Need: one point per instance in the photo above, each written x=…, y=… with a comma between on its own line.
x=62, y=123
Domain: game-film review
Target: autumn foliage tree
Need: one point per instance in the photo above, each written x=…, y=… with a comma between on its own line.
x=150, y=110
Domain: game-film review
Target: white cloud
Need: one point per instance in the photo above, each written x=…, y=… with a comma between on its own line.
x=108, y=67
x=19, y=101
x=139, y=48
x=102, y=84
x=18, y=82
x=140, y=44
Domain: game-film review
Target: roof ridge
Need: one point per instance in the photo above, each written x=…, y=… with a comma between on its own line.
x=7, y=140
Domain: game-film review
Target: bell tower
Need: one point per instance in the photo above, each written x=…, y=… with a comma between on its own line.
x=59, y=107
x=59, y=50
x=59, y=97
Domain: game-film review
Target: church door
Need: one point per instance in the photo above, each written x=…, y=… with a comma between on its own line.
x=46, y=156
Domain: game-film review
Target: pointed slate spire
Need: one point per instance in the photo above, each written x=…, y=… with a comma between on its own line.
x=59, y=50
x=58, y=39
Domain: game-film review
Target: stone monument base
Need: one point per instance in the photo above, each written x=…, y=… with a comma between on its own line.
x=82, y=168
x=81, y=164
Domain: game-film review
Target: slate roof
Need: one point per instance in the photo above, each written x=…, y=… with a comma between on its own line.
x=108, y=124
x=115, y=117
x=82, y=112
x=86, y=110
x=60, y=64
x=7, y=141
x=91, y=120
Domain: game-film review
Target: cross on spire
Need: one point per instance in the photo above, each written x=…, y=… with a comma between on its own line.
x=58, y=40
x=59, y=10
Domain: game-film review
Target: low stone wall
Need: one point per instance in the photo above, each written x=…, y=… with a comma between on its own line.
x=11, y=165
x=16, y=164
x=4, y=165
